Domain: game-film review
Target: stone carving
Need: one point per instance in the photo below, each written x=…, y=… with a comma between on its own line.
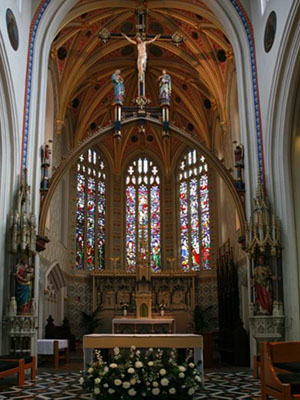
x=23, y=222
x=113, y=290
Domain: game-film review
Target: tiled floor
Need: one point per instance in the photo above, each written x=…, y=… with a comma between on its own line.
x=221, y=383
x=65, y=385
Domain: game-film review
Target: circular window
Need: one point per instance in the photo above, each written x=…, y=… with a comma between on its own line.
x=270, y=31
x=12, y=29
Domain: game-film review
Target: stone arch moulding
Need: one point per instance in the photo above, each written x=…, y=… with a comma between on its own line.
x=91, y=140
x=57, y=275
x=50, y=15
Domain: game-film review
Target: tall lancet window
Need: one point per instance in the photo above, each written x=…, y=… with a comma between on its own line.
x=90, y=212
x=143, y=214
x=195, y=243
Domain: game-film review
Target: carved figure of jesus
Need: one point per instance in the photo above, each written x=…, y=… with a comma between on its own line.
x=142, y=52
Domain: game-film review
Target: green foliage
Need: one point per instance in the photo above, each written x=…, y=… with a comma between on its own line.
x=90, y=321
x=201, y=318
x=136, y=375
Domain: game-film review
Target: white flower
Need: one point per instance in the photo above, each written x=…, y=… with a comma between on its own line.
x=97, y=381
x=90, y=370
x=117, y=382
x=116, y=351
x=131, y=392
x=197, y=378
x=132, y=348
x=172, y=390
x=155, y=384
x=106, y=369
x=147, y=383
x=164, y=382
x=155, y=391
x=138, y=364
x=96, y=390
x=144, y=394
x=162, y=371
x=191, y=391
x=181, y=375
x=181, y=368
x=138, y=381
x=81, y=380
x=126, y=385
x=133, y=381
x=130, y=370
x=150, y=363
x=191, y=365
x=113, y=365
x=105, y=385
x=111, y=391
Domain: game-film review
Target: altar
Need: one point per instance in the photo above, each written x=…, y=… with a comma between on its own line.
x=171, y=341
x=151, y=322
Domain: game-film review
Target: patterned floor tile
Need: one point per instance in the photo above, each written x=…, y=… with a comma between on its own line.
x=65, y=385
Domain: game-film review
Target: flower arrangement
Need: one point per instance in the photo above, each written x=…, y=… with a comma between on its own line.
x=136, y=375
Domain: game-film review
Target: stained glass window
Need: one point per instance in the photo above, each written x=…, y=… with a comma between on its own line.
x=143, y=214
x=90, y=212
x=194, y=213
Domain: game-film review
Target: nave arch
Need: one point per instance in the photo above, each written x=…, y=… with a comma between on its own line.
x=56, y=15
x=92, y=140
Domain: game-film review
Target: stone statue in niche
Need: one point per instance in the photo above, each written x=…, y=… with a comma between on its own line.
x=24, y=277
x=239, y=156
x=123, y=297
x=109, y=299
x=179, y=299
x=164, y=298
x=46, y=162
x=239, y=165
x=262, y=283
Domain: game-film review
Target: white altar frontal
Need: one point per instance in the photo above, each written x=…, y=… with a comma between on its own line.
x=171, y=341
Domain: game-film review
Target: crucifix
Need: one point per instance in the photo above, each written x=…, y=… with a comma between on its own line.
x=141, y=39
x=142, y=58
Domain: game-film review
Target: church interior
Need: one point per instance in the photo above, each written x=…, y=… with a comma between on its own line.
x=149, y=183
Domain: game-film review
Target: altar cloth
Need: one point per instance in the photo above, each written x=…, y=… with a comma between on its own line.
x=46, y=346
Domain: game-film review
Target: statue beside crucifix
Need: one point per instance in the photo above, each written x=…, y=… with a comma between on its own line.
x=142, y=52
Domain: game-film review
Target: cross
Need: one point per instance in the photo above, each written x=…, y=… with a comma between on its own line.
x=140, y=39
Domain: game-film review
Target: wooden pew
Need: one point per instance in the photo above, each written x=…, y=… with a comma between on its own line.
x=280, y=370
x=256, y=366
x=29, y=362
x=13, y=367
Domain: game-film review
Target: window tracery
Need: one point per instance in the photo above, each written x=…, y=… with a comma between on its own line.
x=143, y=221
x=90, y=212
x=194, y=212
